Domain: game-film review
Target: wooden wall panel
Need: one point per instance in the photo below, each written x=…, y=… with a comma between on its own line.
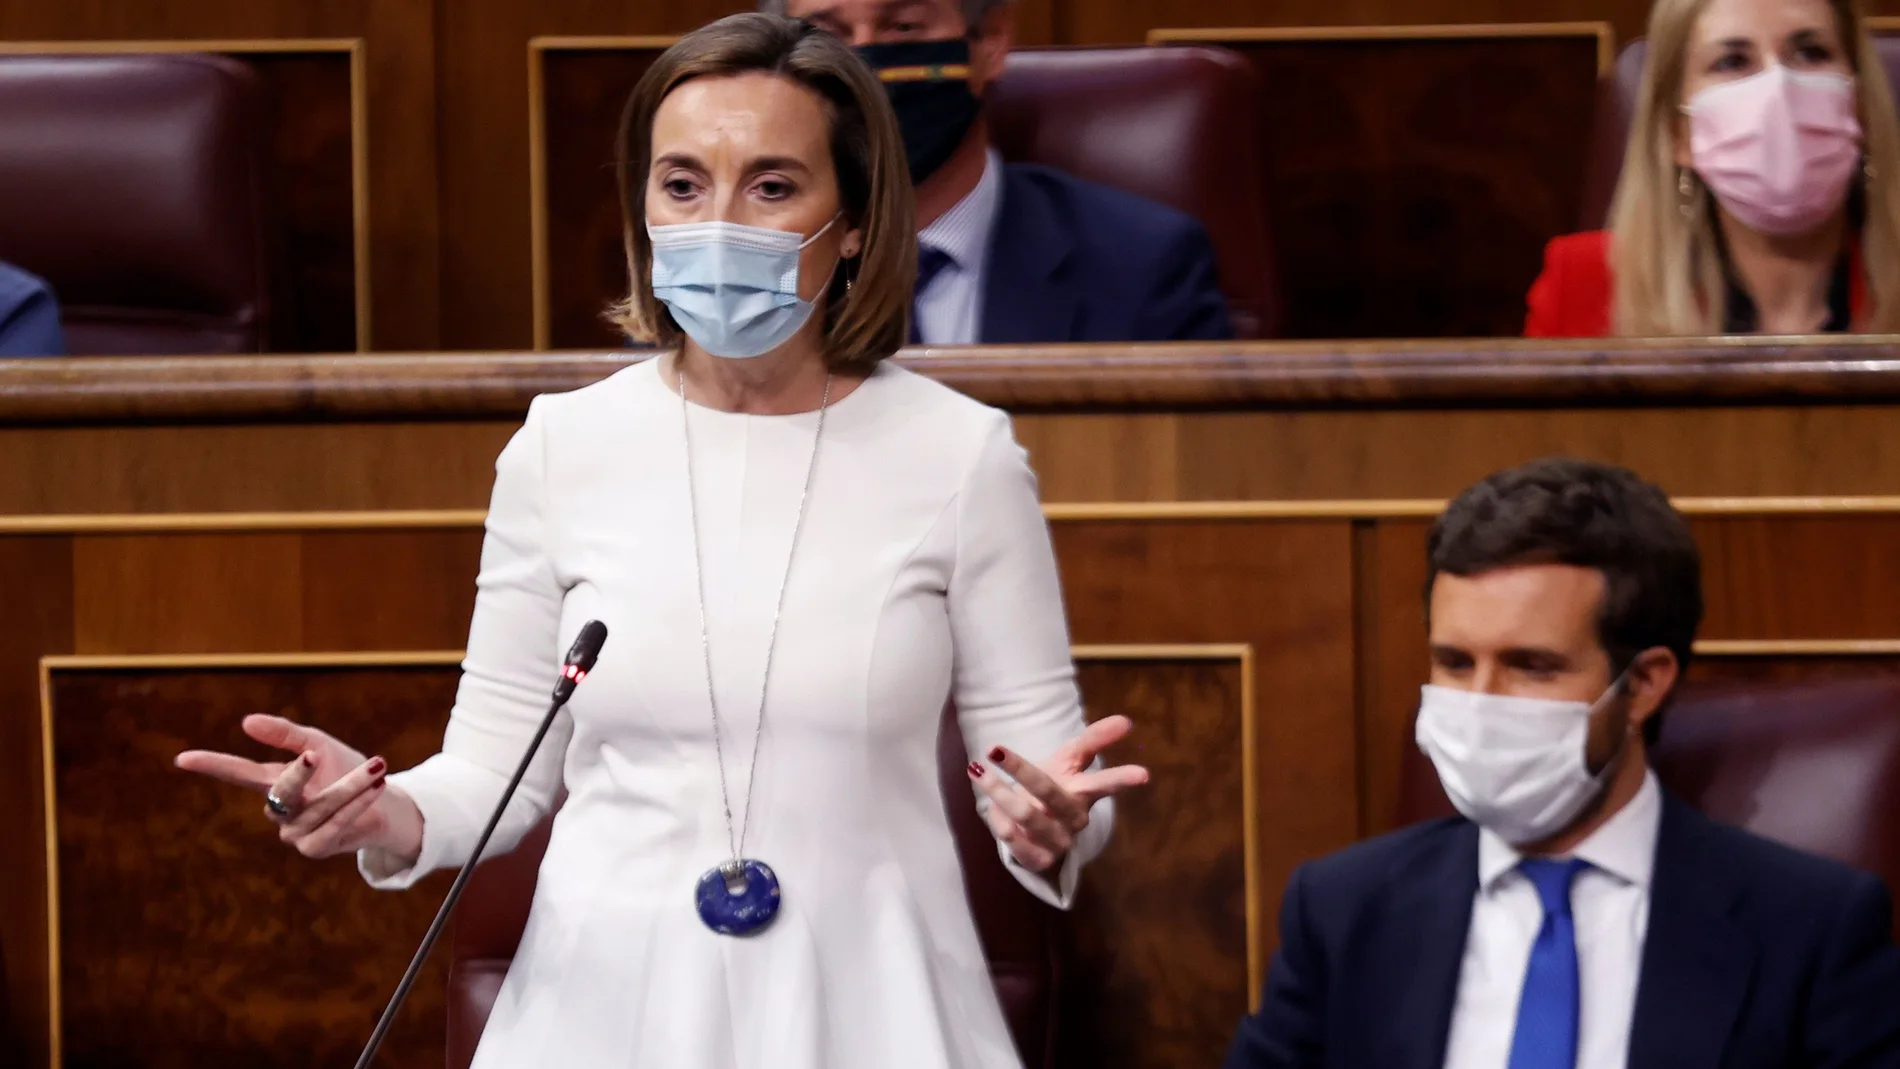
x=427, y=579
x=1325, y=610
x=1757, y=590
x=1286, y=590
x=1128, y=21
x=1159, y=931
x=189, y=935
x=485, y=199
x=36, y=576
x=313, y=212
x=1386, y=159
x=1313, y=455
x=337, y=467
x=1792, y=666
x=1435, y=452
x=187, y=593
x=1392, y=661
x=584, y=92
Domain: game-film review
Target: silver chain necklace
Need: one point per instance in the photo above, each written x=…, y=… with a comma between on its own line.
x=740, y=896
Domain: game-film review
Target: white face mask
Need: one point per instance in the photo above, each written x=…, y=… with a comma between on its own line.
x=1514, y=765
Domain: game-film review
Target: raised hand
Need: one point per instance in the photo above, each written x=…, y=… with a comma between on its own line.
x=330, y=799
x=1039, y=815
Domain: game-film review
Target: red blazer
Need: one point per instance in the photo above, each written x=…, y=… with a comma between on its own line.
x=1571, y=299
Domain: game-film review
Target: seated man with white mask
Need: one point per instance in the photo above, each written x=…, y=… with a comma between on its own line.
x=1575, y=916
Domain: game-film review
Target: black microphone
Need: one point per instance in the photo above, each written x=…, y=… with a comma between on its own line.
x=580, y=661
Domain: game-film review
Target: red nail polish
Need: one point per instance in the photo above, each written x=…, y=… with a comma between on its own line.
x=976, y=770
x=376, y=767
x=996, y=754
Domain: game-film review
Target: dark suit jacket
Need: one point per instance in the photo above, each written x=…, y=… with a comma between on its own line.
x=1757, y=957
x=29, y=317
x=1072, y=261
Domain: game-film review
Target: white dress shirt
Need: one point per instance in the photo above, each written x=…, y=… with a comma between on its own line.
x=1610, y=905
x=950, y=309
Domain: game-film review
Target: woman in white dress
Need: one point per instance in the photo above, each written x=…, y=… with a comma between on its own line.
x=800, y=552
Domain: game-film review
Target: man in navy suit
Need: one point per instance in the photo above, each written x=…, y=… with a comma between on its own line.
x=1575, y=916
x=1015, y=253
x=29, y=316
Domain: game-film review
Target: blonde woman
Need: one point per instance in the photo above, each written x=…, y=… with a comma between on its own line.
x=1758, y=192
x=800, y=551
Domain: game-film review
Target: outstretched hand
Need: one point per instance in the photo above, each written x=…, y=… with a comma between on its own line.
x=329, y=792
x=1040, y=813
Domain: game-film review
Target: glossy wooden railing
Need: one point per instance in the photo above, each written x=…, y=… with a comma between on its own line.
x=1051, y=378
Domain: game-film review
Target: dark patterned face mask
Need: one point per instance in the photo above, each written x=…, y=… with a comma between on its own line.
x=929, y=86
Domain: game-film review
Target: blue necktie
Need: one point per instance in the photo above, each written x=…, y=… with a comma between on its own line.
x=930, y=263
x=1546, y=1035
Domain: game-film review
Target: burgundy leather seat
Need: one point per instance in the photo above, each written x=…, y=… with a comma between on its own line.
x=1018, y=931
x=1179, y=125
x=1616, y=107
x=1815, y=765
x=133, y=185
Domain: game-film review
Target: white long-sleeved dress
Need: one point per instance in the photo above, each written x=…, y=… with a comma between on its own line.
x=924, y=571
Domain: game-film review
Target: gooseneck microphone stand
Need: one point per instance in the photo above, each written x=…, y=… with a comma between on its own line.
x=580, y=660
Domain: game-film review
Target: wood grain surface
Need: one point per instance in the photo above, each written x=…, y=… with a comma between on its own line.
x=1158, y=936
x=189, y=935
x=1060, y=378
x=1328, y=606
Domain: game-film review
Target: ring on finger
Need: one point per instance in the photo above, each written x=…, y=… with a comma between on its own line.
x=276, y=805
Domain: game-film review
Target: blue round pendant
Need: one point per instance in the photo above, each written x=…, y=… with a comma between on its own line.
x=738, y=897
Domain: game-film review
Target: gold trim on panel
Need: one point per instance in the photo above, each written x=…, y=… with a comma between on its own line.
x=1071, y=512
x=538, y=47
x=602, y=43
x=51, y=824
x=538, y=199
x=1055, y=512
x=1604, y=32
x=218, y=522
x=359, y=191
x=1799, y=647
x=116, y=662
x=1252, y=877
x=355, y=47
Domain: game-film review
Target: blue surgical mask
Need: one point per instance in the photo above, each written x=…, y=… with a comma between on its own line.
x=731, y=288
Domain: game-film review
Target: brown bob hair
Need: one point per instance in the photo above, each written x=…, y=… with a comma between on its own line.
x=866, y=308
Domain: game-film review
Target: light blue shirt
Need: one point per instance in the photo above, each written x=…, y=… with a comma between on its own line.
x=950, y=309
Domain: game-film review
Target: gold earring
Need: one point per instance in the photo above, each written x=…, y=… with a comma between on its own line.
x=1685, y=188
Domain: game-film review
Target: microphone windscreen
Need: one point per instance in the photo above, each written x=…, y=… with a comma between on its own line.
x=586, y=648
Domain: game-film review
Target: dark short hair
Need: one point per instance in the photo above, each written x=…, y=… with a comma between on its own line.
x=1558, y=510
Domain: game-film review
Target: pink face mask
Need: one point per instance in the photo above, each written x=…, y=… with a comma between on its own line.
x=1777, y=148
